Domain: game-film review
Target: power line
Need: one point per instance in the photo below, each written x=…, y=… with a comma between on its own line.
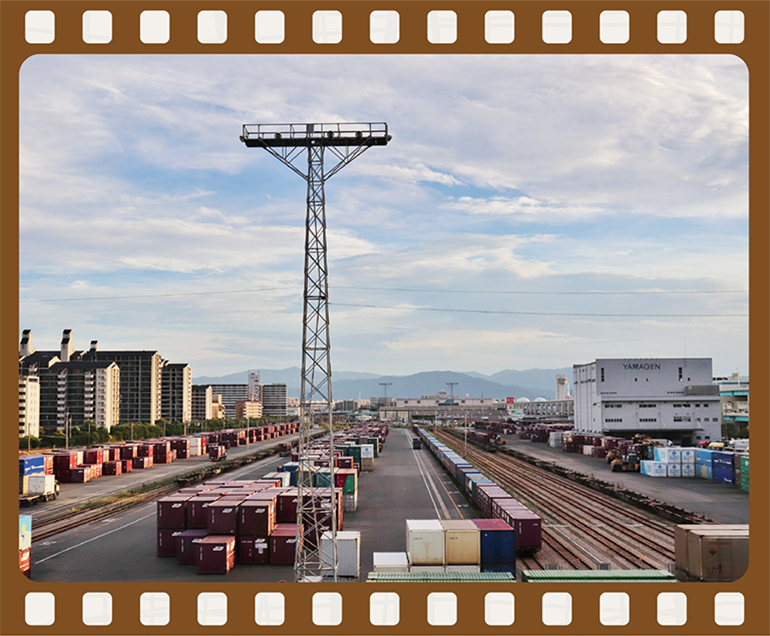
x=539, y=313
x=401, y=289
x=543, y=293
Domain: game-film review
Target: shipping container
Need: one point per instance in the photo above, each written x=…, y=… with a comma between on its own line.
x=25, y=532
x=168, y=541
x=674, y=470
x=223, y=517
x=253, y=550
x=32, y=465
x=172, y=512
x=185, y=546
x=425, y=541
x=348, y=553
x=391, y=562
x=257, y=518
x=461, y=542
x=497, y=543
x=283, y=542
x=197, y=513
x=713, y=557
x=112, y=468
x=215, y=555
x=682, y=531
x=25, y=562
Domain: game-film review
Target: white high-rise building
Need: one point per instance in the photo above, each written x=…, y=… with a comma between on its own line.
x=29, y=406
x=662, y=397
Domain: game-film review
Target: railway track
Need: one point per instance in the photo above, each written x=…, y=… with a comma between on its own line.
x=582, y=528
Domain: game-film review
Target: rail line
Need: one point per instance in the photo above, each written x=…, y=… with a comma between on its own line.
x=580, y=525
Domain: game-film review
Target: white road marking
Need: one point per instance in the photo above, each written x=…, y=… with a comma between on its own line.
x=95, y=538
x=422, y=472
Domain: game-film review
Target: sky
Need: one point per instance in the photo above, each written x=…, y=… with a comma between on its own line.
x=529, y=211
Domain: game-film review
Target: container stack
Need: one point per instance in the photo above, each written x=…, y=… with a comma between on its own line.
x=453, y=546
x=711, y=552
x=25, y=543
x=219, y=523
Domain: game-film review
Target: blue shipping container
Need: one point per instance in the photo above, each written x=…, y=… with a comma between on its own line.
x=724, y=474
x=703, y=456
x=705, y=471
x=498, y=547
x=31, y=465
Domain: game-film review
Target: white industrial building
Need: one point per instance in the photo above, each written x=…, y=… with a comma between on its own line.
x=672, y=398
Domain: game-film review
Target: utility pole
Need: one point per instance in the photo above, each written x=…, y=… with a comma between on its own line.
x=288, y=143
x=66, y=430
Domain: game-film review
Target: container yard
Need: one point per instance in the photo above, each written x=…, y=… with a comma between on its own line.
x=442, y=511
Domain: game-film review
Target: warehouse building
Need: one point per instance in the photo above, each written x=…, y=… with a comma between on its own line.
x=671, y=398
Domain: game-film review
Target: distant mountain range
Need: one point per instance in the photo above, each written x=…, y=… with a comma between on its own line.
x=347, y=385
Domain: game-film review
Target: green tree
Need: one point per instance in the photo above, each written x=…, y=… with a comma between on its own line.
x=28, y=441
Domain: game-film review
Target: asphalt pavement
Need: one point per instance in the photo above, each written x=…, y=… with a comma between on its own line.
x=405, y=484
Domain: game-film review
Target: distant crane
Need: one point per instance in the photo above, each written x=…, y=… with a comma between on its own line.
x=287, y=143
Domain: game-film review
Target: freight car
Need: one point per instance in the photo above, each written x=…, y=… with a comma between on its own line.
x=489, y=497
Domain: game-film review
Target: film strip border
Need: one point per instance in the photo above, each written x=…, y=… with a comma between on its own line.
x=441, y=609
x=724, y=26
x=153, y=28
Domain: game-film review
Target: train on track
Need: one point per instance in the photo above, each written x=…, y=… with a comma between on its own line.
x=493, y=501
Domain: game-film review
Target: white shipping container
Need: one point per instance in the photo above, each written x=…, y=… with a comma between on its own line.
x=391, y=562
x=367, y=450
x=688, y=470
x=425, y=541
x=462, y=542
x=674, y=470
x=688, y=456
x=653, y=469
x=588, y=449
x=348, y=552
x=42, y=484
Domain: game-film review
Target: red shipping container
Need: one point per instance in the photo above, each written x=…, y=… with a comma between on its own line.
x=79, y=476
x=96, y=470
x=24, y=561
x=127, y=465
x=186, y=543
x=93, y=456
x=66, y=461
x=182, y=453
x=129, y=451
x=167, y=541
x=112, y=468
x=286, y=510
x=256, y=518
x=253, y=550
x=161, y=458
x=63, y=476
x=48, y=463
x=283, y=543
x=223, y=518
x=172, y=512
x=140, y=463
x=197, y=510
x=215, y=555
x=144, y=450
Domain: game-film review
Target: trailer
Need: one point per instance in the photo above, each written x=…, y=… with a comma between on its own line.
x=39, y=488
x=284, y=449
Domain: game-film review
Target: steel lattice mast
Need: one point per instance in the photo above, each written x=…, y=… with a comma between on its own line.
x=287, y=142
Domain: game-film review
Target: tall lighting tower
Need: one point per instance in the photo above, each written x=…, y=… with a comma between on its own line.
x=288, y=143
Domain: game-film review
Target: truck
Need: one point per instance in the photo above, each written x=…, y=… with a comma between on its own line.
x=36, y=488
x=284, y=449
